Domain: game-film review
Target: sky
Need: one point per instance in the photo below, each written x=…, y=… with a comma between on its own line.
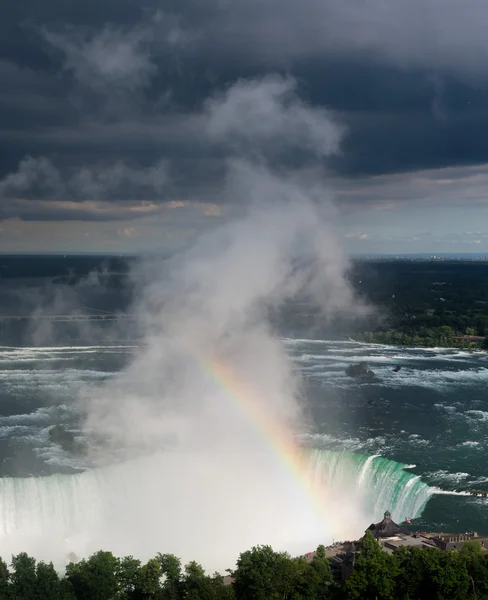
x=121, y=121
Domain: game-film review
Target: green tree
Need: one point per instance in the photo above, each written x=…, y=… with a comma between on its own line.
x=263, y=574
x=196, y=584
x=413, y=579
x=226, y=592
x=66, y=591
x=452, y=581
x=95, y=578
x=4, y=580
x=47, y=582
x=373, y=576
x=313, y=578
x=171, y=571
x=23, y=579
x=128, y=575
x=430, y=574
x=446, y=332
x=149, y=583
x=222, y=591
x=307, y=584
x=476, y=562
x=321, y=565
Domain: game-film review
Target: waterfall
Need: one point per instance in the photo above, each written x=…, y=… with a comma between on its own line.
x=191, y=505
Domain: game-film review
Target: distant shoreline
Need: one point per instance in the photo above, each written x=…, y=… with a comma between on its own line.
x=472, y=343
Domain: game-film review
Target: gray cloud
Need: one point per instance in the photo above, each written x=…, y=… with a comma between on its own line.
x=257, y=119
x=405, y=34
x=408, y=34
x=34, y=175
x=112, y=181
x=209, y=305
x=192, y=85
x=112, y=57
x=437, y=102
x=429, y=188
x=39, y=178
x=115, y=58
x=267, y=114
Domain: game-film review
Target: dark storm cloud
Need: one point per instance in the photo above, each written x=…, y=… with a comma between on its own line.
x=38, y=178
x=461, y=186
x=406, y=34
x=87, y=86
x=253, y=120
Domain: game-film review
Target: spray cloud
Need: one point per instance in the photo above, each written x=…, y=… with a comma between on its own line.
x=207, y=483
x=184, y=465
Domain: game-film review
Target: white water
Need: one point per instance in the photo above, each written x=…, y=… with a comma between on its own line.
x=130, y=508
x=135, y=508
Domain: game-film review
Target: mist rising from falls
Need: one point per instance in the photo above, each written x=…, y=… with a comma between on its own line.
x=56, y=515
x=213, y=481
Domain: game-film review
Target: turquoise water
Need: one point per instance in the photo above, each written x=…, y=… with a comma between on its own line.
x=432, y=416
x=413, y=442
x=378, y=481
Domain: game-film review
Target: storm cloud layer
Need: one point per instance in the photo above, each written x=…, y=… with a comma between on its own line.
x=122, y=111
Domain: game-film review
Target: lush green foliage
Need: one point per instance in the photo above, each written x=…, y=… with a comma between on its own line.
x=260, y=574
x=424, y=303
x=440, y=337
x=418, y=574
x=263, y=574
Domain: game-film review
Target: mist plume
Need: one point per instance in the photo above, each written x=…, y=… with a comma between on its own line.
x=210, y=481
x=182, y=464
x=206, y=481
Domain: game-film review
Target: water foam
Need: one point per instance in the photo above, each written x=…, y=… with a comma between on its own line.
x=129, y=508
x=382, y=484
x=480, y=415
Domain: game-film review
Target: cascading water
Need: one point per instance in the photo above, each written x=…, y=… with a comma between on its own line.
x=130, y=508
x=376, y=482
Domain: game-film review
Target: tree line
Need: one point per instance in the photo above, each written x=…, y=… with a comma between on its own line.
x=416, y=303
x=260, y=574
x=438, y=337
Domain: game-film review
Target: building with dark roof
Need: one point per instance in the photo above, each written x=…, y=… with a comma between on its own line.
x=392, y=536
x=387, y=528
x=343, y=562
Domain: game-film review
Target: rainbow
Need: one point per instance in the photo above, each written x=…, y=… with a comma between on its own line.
x=277, y=436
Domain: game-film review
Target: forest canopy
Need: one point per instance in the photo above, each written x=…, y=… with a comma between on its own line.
x=424, y=303
x=260, y=574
